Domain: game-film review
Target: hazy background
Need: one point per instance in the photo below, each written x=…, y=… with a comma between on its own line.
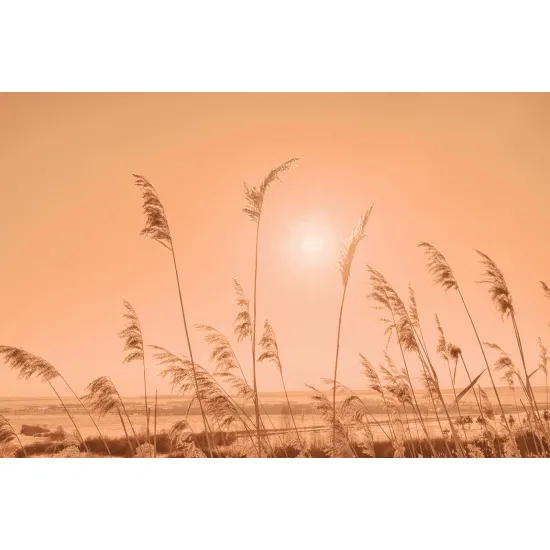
x=459, y=170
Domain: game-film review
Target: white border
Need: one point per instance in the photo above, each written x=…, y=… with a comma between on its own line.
x=274, y=46
x=255, y=503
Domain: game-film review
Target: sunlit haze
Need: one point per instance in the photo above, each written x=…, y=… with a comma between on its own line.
x=460, y=171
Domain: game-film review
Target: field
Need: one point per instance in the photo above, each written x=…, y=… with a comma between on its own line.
x=46, y=413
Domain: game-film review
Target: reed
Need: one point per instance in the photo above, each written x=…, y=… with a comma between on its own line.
x=443, y=276
x=133, y=349
x=270, y=352
x=340, y=443
x=255, y=197
x=103, y=397
x=218, y=404
x=444, y=349
x=30, y=366
x=502, y=299
x=386, y=298
x=344, y=266
x=155, y=426
x=158, y=229
x=543, y=366
x=546, y=290
x=8, y=434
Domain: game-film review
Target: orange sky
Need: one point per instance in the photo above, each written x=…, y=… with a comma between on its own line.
x=458, y=170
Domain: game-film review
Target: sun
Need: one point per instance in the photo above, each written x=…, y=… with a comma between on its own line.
x=313, y=244
x=310, y=243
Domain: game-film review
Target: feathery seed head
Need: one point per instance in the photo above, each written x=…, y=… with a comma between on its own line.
x=255, y=196
x=28, y=365
x=543, y=357
x=221, y=354
x=498, y=289
x=101, y=396
x=243, y=323
x=268, y=343
x=442, y=344
x=132, y=336
x=190, y=379
x=439, y=268
x=413, y=308
x=348, y=252
x=7, y=435
x=156, y=224
x=486, y=406
x=505, y=365
x=386, y=297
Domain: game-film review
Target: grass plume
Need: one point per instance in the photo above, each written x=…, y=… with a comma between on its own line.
x=254, y=197
x=344, y=266
x=158, y=229
x=133, y=348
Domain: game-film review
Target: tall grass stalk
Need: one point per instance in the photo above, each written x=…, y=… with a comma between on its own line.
x=218, y=403
x=103, y=397
x=344, y=266
x=125, y=432
x=70, y=417
x=255, y=197
x=134, y=350
x=155, y=426
x=158, y=229
x=445, y=349
x=501, y=297
x=270, y=348
x=543, y=366
x=546, y=290
x=444, y=276
x=225, y=358
x=30, y=366
x=386, y=297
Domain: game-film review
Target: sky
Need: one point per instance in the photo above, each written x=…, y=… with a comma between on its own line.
x=461, y=171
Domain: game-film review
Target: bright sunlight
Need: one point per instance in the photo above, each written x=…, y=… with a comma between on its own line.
x=313, y=244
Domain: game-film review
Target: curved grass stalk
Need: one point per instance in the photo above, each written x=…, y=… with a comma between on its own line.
x=29, y=366
x=158, y=229
x=70, y=417
x=126, y=432
x=501, y=297
x=7, y=433
x=444, y=277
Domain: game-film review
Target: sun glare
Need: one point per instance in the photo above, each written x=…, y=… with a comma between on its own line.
x=313, y=244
